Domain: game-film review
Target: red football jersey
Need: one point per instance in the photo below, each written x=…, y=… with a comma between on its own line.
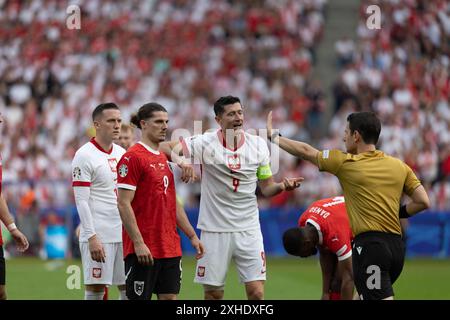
x=329, y=217
x=148, y=172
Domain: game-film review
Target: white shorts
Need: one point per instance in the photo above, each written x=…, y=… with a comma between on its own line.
x=246, y=248
x=110, y=272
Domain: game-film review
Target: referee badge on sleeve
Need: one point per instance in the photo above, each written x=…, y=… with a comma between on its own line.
x=123, y=170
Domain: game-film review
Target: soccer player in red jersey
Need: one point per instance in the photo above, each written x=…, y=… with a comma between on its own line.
x=150, y=213
x=19, y=237
x=325, y=226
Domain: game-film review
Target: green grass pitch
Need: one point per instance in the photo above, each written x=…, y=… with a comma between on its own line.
x=287, y=279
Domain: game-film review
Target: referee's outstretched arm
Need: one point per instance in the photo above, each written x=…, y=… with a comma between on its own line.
x=296, y=148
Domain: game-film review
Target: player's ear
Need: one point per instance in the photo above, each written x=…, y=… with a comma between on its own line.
x=356, y=136
x=218, y=119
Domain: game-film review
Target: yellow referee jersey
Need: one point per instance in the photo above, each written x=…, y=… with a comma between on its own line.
x=373, y=184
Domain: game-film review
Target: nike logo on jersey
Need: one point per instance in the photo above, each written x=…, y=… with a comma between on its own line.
x=127, y=158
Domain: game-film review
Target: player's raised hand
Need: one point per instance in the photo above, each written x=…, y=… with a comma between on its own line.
x=96, y=249
x=143, y=254
x=198, y=246
x=187, y=172
x=20, y=239
x=292, y=183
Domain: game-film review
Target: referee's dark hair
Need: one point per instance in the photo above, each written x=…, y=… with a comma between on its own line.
x=367, y=124
x=224, y=101
x=104, y=106
x=146, y=112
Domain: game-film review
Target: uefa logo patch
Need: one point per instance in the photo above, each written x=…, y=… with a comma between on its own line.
x=76, y=173
x=123, y=170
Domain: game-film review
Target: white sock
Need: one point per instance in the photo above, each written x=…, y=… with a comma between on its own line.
x=93, y=295
x=123, y=295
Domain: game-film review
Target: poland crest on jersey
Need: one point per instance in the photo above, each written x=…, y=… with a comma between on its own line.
x=234, y=162
x=112, y=164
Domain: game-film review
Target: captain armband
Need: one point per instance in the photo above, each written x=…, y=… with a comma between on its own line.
x=264, y=172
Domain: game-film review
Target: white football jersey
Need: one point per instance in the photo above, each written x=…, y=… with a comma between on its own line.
x=95, y=168
x=229, y=180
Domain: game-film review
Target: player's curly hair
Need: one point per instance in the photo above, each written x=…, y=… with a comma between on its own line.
x=292, y=239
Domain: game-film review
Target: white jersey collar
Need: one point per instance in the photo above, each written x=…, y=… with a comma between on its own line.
x=316, y=225
x=149, y=148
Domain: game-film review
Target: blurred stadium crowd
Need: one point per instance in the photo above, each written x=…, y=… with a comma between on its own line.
x=402, y=72
x=184, y=54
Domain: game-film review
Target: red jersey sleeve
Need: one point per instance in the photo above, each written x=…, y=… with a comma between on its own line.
x=128, y=172
x=339, y=242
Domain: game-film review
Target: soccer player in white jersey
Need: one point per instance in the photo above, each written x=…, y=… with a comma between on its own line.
x=232, y=164
x=94, y=176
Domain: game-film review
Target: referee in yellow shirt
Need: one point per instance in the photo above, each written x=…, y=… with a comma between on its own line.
x=373, y=184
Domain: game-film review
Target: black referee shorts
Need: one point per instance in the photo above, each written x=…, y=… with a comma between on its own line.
x=163, y=277
x=378, y=259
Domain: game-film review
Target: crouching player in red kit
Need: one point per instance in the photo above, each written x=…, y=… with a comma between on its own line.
x=325, y=226
x=150, y=213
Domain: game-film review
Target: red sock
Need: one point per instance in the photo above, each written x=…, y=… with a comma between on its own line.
x=335, y=296
x=105, y=296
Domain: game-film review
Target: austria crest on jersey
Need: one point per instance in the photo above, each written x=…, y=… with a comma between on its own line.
x=139, y=287
x=234, y=162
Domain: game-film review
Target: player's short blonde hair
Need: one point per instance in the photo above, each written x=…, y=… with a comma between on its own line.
x=126, y=127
